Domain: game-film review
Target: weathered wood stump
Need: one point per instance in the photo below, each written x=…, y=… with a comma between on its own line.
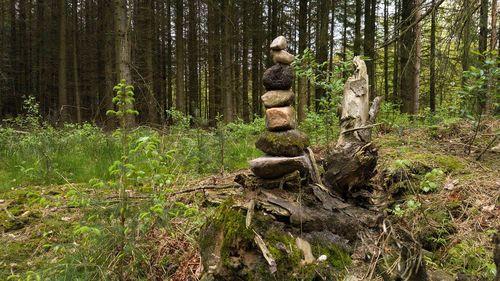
x=352, y=161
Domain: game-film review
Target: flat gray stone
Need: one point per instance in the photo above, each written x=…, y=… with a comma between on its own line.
x=271, y=167
x=278, y=98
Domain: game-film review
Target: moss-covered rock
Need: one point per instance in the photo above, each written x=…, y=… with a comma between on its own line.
x=288, y=143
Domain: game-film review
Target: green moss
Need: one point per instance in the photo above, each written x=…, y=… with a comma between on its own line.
x=337, y=257
x=448, y=163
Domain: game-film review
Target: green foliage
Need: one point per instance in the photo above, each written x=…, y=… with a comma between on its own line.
x=481, y=86
x=472, y=259
x=432, y=181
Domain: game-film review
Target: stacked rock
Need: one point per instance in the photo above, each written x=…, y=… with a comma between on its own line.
x=283, y=144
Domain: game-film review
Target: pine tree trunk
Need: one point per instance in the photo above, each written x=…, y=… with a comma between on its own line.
x=369, y=43
x=75, y=64
x=123, y=47
x=227, y=86
x=432, y=90
x=410, y=57
x=386, y=50
x=322, y=45
x=244, y=61
x=256, y=57
x=483, y=26
x=302, y=81
x=193, y=86
x=357, y=28
x=62, y=88
x=180, y=95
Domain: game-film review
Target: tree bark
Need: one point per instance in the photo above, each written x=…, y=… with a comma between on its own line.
x=432, y=90
x=226, y=64
x=493, y=38
x=75, y=63
x=123, y=48
x=386, y=50
x=180, y=95
x=410, y=57
x=62, y=88
x=322, y=45
x=357, y=28
x=369, y=42
x=193, y=86
x=483, y=27
x=244, y=61
x=302, y=81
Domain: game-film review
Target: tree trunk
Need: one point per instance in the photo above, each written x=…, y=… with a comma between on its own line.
x=351, y=163
x=75, y=63
x=193, y=86
x=302, y=81
x=180, y=95
x=244, y=61
x=432, y=90
x=322, y=45
x=357, y=28
x=168, y=28
x=62, y=88
x=227, y=86
x=483, y=27
x=466, y=39
x=386, y=50
x=395, y=73
x=151, y=100
x=211, y=61
x=410, y=57
x=123, y=48
x=256, y=57
x=493, y=38
x=369, y=42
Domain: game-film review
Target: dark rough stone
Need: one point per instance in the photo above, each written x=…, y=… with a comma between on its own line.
x=278, y=77
x=288, y=143
x=272, y=167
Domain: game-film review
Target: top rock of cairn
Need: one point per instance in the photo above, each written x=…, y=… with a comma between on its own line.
x=279, y=43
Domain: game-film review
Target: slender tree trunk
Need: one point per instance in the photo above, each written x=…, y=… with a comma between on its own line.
x=148, y=57
x=256, y=50
x=410, y=56
x=168, y=28
x=62, y=88
x=386, y=50
x=193, y=86
x=344, y=37
x=244, y=61
x=180, y=95
x=226, y=64
x=493, y=38
x=432, y=90
x=395, y=73
x=357, y=28
x=211, y=43
x=302, y=81
x=322, y=45
x=483, y=26
x=123, y=47
x=369, y=44
x=75, y=63
x=466, y=39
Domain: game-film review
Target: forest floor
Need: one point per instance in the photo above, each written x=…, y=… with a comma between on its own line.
x=443, y=195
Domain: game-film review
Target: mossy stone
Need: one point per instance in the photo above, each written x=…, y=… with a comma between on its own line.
x=287, y=143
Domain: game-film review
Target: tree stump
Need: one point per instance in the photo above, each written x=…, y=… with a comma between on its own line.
x=352, y=161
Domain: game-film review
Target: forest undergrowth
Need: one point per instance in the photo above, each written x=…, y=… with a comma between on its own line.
x=63, y=216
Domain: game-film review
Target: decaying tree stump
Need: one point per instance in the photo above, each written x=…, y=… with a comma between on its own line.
x=352, y=161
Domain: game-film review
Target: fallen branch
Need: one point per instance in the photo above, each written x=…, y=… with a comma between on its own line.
x=206, y=187
x=361, y=128
x=487, y=147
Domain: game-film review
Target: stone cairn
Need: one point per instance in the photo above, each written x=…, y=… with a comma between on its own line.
x=283, y=144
